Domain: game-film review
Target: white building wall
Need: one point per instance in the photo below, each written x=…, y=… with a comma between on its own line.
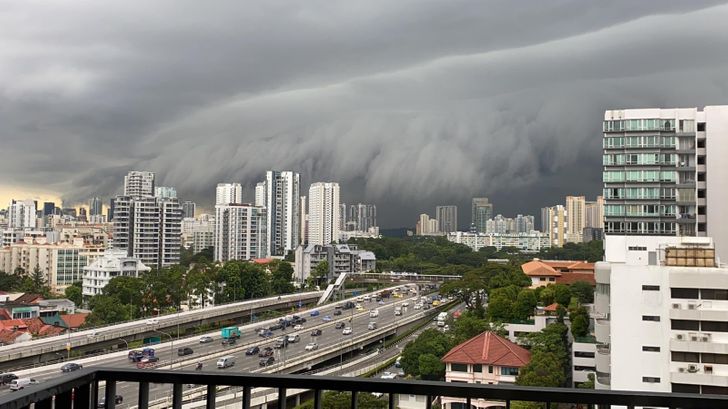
x=716, y=133
x=227, y=193
x=323, y=216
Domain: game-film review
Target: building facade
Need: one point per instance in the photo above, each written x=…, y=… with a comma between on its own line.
x=447, y=218
x=226, y=193
x=533, y=241
x=189, y=208
x=240, y=232
x=575, y=218
x=139, y=183
x=22, y=214
x=94, y=206
x=113, y=263
x=165, y=192
x=555, y=224
x=482, y=211
x=427, y=226
x=323, y=213
x=282, y=202
x=342, y=258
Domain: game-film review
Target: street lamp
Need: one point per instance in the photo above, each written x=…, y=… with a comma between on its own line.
x=125, y=343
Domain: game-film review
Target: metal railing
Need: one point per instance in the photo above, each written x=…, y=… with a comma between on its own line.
x=81, y=390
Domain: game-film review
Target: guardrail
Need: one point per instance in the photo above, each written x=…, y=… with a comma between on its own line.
x=80, y=391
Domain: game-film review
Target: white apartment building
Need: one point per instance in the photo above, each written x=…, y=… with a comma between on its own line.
x=575, y=218
x=227, y=193
x=659, y=165
x=22, y=214
x=282, y=203
x=149, y=228
x=447, y=218
x=533, y=241
x=165, y=192
x=674, y=291
x=555, y=224
x=595, y=213
x=113, y=263
x=240, y=232
x=486, y=359
x=61, y=263
x=323, y=213
x=260, y=194
x=139, y=183
x=198, y=233
x=427, y=226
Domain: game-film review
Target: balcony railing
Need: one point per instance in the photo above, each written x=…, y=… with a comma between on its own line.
x=81, y=390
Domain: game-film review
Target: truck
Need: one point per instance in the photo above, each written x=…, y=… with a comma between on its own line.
x=230, y=332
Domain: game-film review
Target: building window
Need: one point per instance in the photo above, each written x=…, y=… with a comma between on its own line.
x=459, y=367
x=650, y=288
x=477, y=368
x=637, y=248
x=685, y=325
x=717, y=326
x=685, y=293
x=650, y=379
x=685, y=356
x=714, y=359
x=506, y=370
x=490, y=369
x=650, y=349
x=583, y=354
x=685, y=388
x=651, y=318
x=713, y=294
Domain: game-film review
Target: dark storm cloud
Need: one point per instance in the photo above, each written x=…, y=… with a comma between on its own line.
x=408, y=104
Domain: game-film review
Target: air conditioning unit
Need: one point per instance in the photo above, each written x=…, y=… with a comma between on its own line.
x=708, y=369
x=694, y=338
x=691, y=306
x=692, y=368
x=705, y=337
x=680, y=337
x=681, y=370
x=675, y=306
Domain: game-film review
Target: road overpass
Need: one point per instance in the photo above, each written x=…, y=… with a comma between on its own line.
x=43, y=350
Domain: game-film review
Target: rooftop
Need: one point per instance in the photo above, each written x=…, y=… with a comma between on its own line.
x=489, y=349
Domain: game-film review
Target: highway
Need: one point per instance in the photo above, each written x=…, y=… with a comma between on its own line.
x=330, y=336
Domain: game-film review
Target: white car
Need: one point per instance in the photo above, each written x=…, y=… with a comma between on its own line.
x=152, y=321
x=298, y=327
x=388, y=375
x=418, y=306
x=367, y=298
x=311, y=346
x=405, y=304
x=346, y=331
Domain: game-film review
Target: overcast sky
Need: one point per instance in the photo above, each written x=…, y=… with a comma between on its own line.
x=407, y=104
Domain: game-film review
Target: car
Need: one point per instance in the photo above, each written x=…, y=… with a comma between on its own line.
x=267, y=351
x=118, y=399
x=298, y=327
x=446, y=328
x=381, y=302
x=281, y=342
x=152, y=321
x=426, y=307
x=398, y=362
x=6, y=378
x=405, y=304
x=149, y=359
x=252, y=350
x=205, y=339
x=316, y=332
x=228, y=341
x=294, y=338
x=339, y=325
x=266, y=361
x=276, y=326
x=337, y=312
x=367, y=298
x=311, y=346
x=265, y=333
x=21, y=383
x=70, y=367
x=372, y=325
x=184, y=351
x=314, y=313
x=418, y=306
x=326, y=318
x=346, y=331
x=388, y=375
x=359, y=308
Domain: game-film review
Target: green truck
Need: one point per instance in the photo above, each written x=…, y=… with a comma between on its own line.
x=230, y=332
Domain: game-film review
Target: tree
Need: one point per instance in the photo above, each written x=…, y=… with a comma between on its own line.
x=106, y=310
x=39, y=280
x=74, y=293
x=200, y=281
x=549, y=357
x=525, y=304
x=8, y=282
x=469, y=325
x=579, y=322
x=281, y=278
x=544, y=369
x=319, y=273
x=469, y=290
x=501, y=304
x=342, y=400
x=431, y=368
x=432, y=342
x=583, y=291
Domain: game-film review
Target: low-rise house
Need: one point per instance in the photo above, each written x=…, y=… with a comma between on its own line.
x=545, y=272
x=486, y=359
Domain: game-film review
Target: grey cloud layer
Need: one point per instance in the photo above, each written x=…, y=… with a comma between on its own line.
x=408, y=104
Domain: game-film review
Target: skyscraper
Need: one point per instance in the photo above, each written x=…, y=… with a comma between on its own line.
x=188, y=209
x=82, y=214
x=48, y=209
x=426, y=226
x=165, y=192
x=363, y=215
x=21, y=214
x=139, y=183
x=112, y=207
x=303, y=226
x=555, y=224
x=227, y=193
x=482, y=211
x=447, y=218
x=658, y=166
x=575, y=218
x=260, y=194
x=239, y=232
x=94, y=206
x=323, y=213
x=595, y=213
x=282, y=202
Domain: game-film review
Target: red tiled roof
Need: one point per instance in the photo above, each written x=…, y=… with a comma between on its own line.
x=537, y=268
x=571, y=278
x=74, y=320
x=489, y=349
x=28, y=298
x=262, y=260
x=10, y=324
x=551, y=308
x=34, y=325
x=9, y=336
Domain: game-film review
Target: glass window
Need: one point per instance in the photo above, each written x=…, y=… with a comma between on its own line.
x=685, y=325
x=583, y=354
x=650, y=379
x=713, y=294
x=459, y=367
x=650, y=349
x=505, y=370
x=717, y=326
x=655, y=318
x=685, y=356
x=477, y=368
x=684, y=293
x=714, y=358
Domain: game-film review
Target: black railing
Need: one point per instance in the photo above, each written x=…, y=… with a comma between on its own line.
x=81, y=390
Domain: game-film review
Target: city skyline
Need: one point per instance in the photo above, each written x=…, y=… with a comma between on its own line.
x=507, y=134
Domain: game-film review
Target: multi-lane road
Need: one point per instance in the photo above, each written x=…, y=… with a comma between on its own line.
x=209, y=353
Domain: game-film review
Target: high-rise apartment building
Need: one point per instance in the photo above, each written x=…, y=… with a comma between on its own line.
x=149, y=228
x=82, y=214
x=49, y=209
x=22, y=214
x=555, y=224
x=304, y=220
x=575, y=218
x=282, y=202
x=260, y=194
x=165, y=192
x=658, y=166
x=139, y=183
x=323, y=213
x=227, y=193
x=447, y=218
x=482, y=211
x=595, y=213
x=239, y=232
x=188, y=209
x=110, y=211
x=94, y=206
x=427, y=226
x=363, y=216
x=662, y=315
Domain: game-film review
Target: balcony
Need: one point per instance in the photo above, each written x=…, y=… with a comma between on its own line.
x=81, y=390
